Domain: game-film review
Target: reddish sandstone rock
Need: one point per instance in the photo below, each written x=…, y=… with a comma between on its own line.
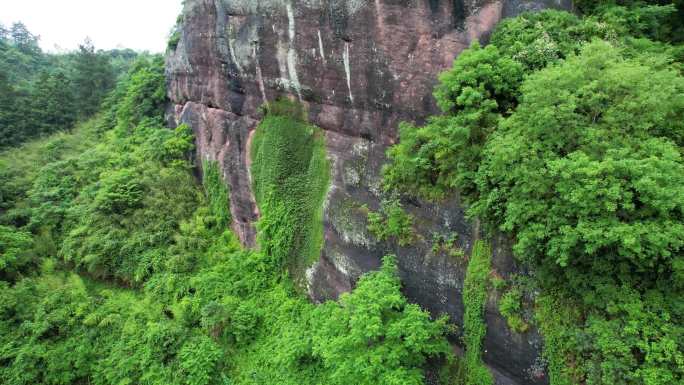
x=360, y=67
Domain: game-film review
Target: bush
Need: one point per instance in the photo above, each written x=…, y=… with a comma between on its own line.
x=174, y=40
x=373, y=336
x=145, y=94
x=199, y=357
x=118, y=192
x=510, y=306
x=433, y=160
x=15, y=253
x=587, y=171
x=392, y=222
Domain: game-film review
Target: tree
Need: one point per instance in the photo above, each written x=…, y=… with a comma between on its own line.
x=23, y=39
x=432, y=160
x=657, y=19
x=53, y=103
x=374, y=336
x=146, y=93
x=7, y=108
x=44, y=93
x=93, y=78
x=4, y=33
x=14, y=252
x=537, y=39
x=122, y=60
x=588, y=171
x=20, y=56
x=13, y=112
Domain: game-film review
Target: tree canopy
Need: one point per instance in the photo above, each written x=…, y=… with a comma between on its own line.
x=566, y=134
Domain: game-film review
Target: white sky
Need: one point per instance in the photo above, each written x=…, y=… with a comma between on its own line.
x=136, y=24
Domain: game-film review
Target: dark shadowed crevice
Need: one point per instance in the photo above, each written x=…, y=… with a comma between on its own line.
x=459, y=14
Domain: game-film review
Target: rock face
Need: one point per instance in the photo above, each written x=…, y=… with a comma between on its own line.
x=360, y=67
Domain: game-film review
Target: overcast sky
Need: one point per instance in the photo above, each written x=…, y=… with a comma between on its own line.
x=137, y=24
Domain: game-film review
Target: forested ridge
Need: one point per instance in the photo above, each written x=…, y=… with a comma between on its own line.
x=41, y=93
x=564, y=133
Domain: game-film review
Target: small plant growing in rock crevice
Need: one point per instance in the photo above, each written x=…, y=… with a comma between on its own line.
x=392, y=222
x=447, y=245
x=511, y=300
x=174, y=39
x=510, y=306
x=498, y=283
x=175, y=35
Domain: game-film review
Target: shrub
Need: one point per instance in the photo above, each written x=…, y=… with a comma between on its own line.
x=433, y=160
x=373, y=336
x=510, y=306
x=15, y=248
x=174, y=39
x=119, y=191
x=392, y=222
x=144, y=96
x=198, y=359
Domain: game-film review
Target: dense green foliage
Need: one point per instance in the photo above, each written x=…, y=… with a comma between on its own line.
x=663, y=19
x=217, y=193
x=43, y=93
x=536, y=40
x=114, y=212
x=374, y=336
x=580, y=160
x=474, y=327
x=117, y=267
x=93, y=78
x=291, y=173
x=593, y=191
x=595, y=145
x=566, y=133
x=442, y=155
x=14, y=252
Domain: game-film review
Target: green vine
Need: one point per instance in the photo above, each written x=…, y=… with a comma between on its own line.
x=474, y=327
x=291, y=176
x=217, y=193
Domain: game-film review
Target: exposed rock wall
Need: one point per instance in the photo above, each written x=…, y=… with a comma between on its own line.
x=360, y=67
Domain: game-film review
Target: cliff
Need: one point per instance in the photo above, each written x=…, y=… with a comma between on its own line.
x=360, y=68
